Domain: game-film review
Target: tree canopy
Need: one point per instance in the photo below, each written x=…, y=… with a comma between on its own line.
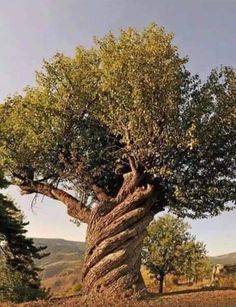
x=127, y=103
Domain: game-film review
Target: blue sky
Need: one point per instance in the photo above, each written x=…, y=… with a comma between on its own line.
x=33, y=30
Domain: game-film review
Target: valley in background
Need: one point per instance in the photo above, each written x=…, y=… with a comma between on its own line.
x=61, y=270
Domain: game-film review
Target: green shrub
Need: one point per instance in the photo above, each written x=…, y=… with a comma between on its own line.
x=15, y=286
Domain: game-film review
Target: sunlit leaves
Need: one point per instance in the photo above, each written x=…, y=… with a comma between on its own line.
x=170, y=248
x=140, y=88
x=129, y=95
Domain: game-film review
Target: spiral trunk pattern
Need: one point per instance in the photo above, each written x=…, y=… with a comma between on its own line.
x=114, y=242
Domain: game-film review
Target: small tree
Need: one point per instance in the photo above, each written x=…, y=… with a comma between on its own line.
x=19, y=280
x=169, y=248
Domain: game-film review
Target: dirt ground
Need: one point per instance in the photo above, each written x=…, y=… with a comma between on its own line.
x=209, y=298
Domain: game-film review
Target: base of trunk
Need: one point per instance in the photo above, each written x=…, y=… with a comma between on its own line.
x=119, y=270
x=113, y=259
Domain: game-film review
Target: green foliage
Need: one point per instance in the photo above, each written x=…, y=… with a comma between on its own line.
x=196, y=265
x=128, y=96
x=19, y=278
x=14, y=288
x=170, y=248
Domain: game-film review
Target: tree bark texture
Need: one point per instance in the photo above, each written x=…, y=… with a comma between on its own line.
x=114, y=241
x=116, y=229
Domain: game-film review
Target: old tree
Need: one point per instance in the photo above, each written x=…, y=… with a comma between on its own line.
x=127, y=127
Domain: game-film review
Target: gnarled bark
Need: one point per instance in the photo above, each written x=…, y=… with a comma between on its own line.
x=116, y=229
x=114, y=241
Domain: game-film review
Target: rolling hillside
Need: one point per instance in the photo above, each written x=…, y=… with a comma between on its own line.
x=224, y=259
x=62, y=268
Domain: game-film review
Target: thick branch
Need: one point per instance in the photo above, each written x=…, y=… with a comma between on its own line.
x=131, y=179
x=74, y=208
x=98, y=191
x=132, y=164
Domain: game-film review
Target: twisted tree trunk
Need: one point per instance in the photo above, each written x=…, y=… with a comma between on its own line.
x=116, y=229
x=114, y=242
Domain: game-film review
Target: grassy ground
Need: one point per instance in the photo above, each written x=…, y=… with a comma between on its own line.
x=191, y=298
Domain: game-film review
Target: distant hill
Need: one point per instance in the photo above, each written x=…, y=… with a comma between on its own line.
x=224, y=259
x=61, y=270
